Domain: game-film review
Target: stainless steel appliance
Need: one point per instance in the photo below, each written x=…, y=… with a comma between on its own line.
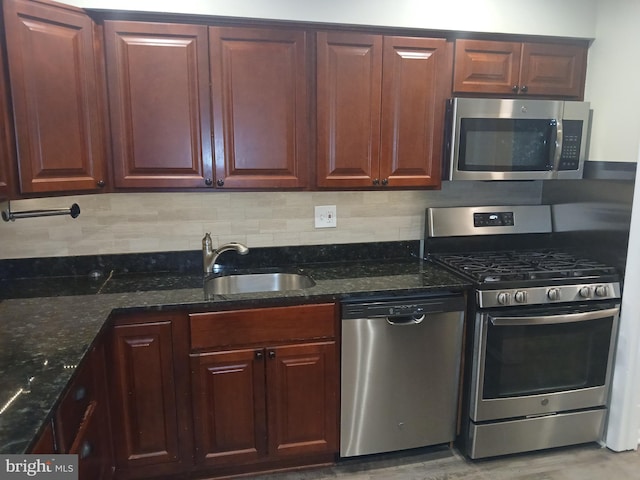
x=400, y=373
x=543, y=326
x=500, y=139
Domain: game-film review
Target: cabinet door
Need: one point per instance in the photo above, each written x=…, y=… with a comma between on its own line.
x=229, y=407
x=7, y=146
x=56, y=94
x=302, y=399
x=145, y=422
x=349, y=74
x=486, y=67
x=158, y=77
x=553, y=70
x=259, y=96
x=415, y=89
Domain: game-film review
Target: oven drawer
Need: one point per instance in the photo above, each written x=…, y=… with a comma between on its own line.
x=488, y=440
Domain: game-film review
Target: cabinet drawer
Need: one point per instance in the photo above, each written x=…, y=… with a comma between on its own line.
x=73, y=407
x=262, y=325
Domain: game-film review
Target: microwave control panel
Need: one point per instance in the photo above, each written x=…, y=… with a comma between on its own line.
x=571, y=141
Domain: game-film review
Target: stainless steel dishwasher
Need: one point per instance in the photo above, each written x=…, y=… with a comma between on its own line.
x=400, y=373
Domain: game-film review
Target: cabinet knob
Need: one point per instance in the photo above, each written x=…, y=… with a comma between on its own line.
x=208, y=182
x=80, y=394
x=272, y=354
x=376, y=181
x=385, y=181
x=220, y=182
x=524, y=89
x=259, y=355
x=101, y=183
x=514, y=89
x=85, y=449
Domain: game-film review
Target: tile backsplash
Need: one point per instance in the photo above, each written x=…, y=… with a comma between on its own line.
x=156, y=222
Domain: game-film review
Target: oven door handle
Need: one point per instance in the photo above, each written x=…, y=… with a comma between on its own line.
x=551, y=319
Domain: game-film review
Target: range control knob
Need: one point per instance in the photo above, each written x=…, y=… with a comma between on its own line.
x=553, y=294
x=520, y=296
x=602, y=291
x=503, y=298
x=584, y=292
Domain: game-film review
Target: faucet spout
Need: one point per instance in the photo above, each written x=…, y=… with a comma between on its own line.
x=210, y=255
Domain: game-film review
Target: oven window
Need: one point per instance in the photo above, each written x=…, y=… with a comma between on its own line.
x=505, y=145
x=536, y=359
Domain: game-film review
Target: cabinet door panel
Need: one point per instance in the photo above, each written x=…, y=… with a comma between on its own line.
x=159, y=100
x=415, y=91
x=349, y=90
x=145, y=419
x=259, y=88
x=302, y=399
x=486, y=66
x=7, y=148
x=551, y=69
x=229, y=407
x=56, y=97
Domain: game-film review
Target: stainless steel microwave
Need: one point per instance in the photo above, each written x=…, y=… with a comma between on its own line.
x=500, y=139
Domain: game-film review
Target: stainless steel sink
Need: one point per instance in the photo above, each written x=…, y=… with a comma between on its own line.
x=257, y=282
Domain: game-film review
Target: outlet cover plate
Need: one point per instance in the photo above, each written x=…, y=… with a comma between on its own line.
x=325, y=216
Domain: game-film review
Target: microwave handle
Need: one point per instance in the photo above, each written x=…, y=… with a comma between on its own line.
x=551, y=319
x=556, y=152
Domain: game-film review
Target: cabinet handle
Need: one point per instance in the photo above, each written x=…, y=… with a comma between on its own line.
x=85, y=449
x=272, y=354
x=81, y=393
x=514, y=89
x=208, y=182
x=376, y=181
x=220, y=182
x=385, y=182
x=101, y=183
x=259, y=355
x=524, y=89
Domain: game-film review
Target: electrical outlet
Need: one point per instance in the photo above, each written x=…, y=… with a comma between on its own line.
x=325, y=216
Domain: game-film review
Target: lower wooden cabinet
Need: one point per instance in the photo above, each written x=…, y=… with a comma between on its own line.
x=80, y=423
x=150, y=422
x=222, y=393
x=270, y=398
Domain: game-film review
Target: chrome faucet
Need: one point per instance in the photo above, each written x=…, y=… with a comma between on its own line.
x=210, y=255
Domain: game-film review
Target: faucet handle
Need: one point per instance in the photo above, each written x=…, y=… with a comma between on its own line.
x=206, y=240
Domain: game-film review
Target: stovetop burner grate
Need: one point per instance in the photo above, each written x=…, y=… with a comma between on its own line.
x=516, y=265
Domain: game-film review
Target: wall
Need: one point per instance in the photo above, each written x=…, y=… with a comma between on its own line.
x=614, y=64
x=150, y=222
x=571, y=18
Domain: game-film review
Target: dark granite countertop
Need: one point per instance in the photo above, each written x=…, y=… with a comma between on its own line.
x=48, y=324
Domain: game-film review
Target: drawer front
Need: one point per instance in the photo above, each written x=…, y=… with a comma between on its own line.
x=73, y=407
x=262, y=325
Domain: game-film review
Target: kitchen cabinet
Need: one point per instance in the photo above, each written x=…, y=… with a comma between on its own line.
x=57, y=96
x=514, y=68
x=380, y=109
x=260, y=107
x=158, y=78
x=7, y=147
x=265, y=387
x=148, y=381
x=80, y=424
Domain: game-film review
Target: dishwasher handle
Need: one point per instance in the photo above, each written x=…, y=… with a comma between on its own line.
x=401, y=320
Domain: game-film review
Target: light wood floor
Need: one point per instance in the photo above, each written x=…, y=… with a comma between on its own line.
x=585, y=462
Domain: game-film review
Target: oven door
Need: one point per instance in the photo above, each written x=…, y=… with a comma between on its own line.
x=530, y=362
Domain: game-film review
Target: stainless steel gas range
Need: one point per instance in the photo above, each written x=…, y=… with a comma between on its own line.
x=542, y=329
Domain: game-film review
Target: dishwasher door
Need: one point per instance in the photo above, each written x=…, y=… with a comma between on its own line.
x=400, y=373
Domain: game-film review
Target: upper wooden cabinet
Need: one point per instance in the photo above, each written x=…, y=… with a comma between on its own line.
x=260, y=107
x=7, y=146
x=513, y=68
x=380, y=109
x=158, y=78
x=57, y=96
